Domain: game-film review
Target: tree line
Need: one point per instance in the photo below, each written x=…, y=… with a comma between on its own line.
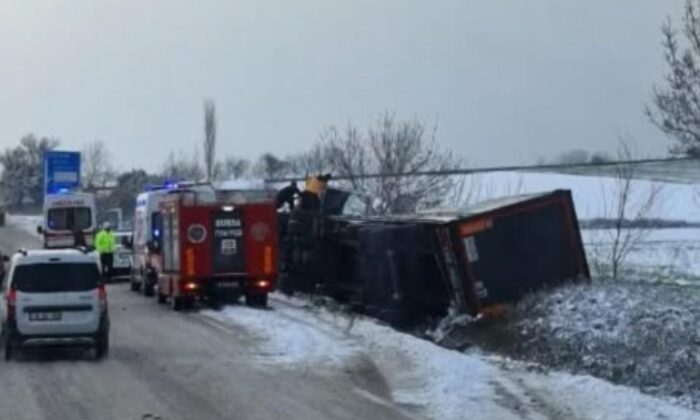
x=389, y=145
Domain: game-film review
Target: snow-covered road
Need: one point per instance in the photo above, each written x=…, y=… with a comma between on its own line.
x=430, y=380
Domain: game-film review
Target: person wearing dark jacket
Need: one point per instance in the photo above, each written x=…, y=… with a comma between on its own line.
x=287, y=195
x=79, y=238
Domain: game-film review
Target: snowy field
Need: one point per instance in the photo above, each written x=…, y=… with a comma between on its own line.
x=430, y=380
x=676, y=201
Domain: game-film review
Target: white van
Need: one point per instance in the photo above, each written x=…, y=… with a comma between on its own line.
x=55, y=297
x=64, y=214
x=148, y=227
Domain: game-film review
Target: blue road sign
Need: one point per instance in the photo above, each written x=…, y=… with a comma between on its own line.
x=61, y=171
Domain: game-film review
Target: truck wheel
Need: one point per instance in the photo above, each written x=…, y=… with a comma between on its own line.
x=102, y=346
x=188, y=303
x=257, y=299
x=135, y=287
x=176, y=303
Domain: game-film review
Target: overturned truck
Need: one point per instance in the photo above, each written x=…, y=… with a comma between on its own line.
x=405, y=268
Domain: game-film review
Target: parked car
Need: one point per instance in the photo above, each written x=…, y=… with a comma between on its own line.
x=123, y=256
x=55, y=297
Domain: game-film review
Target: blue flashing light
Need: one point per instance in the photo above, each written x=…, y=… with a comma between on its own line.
x=63, y=190
x=167, y=185
x=156, y=233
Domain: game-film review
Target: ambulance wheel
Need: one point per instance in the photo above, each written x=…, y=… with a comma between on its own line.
x=135, y=287
x=256, y=299
x=132, y=282
x=148, y=290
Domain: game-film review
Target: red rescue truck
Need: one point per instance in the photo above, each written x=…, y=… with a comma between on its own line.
x=217, y=251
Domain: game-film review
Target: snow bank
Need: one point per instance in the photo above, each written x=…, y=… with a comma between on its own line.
x=442, y=383
x=632, y=334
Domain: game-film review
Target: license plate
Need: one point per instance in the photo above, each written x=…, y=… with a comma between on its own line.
x=228, y=285
x=45, y=316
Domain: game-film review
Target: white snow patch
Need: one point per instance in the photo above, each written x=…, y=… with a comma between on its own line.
x=445, y=384
x=27, y=223
x=289, y=341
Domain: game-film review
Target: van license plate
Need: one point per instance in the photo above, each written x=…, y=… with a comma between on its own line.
x=228, y=285
x=44, y=316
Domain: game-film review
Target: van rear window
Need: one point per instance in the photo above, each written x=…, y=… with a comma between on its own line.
x=70, y=218
x=56, y=277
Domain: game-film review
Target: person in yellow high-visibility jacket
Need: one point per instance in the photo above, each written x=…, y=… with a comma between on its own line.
x=105, y=245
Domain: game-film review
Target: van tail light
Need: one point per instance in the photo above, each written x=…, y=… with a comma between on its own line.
x=102, y=297
x=11, y=302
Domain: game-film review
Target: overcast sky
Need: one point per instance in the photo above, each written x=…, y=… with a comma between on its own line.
x=507, y=81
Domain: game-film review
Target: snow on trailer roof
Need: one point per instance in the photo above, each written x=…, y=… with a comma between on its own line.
x=485, y=206
x=449, y=215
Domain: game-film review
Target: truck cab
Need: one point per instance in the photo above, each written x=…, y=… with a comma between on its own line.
x=64, y=214
x=148, y=227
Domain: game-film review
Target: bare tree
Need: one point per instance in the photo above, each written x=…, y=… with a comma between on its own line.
x=311, y=162
x=234, y=168
x=210, y=139
x=96, y=165
x=22, y=170
x=182, y=167
x=270, y=166
x=389, y=147
x=625, y=204
x=675, y=107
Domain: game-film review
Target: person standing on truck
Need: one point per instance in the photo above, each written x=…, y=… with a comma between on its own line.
x=105, y=244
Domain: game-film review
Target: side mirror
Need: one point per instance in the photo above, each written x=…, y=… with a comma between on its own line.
x=40, y=230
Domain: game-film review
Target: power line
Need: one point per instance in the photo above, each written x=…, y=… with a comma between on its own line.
x=471, y=171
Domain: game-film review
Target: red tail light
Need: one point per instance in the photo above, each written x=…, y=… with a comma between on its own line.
x=102, y=296
x=11, y=302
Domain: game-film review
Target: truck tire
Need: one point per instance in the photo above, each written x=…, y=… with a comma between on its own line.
x=176, y=303
x=256, y=299
x=188, y=303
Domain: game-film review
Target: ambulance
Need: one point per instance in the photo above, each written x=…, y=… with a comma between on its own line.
x=66, y=213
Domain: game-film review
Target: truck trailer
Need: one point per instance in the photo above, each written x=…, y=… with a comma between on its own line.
x=404, y=268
